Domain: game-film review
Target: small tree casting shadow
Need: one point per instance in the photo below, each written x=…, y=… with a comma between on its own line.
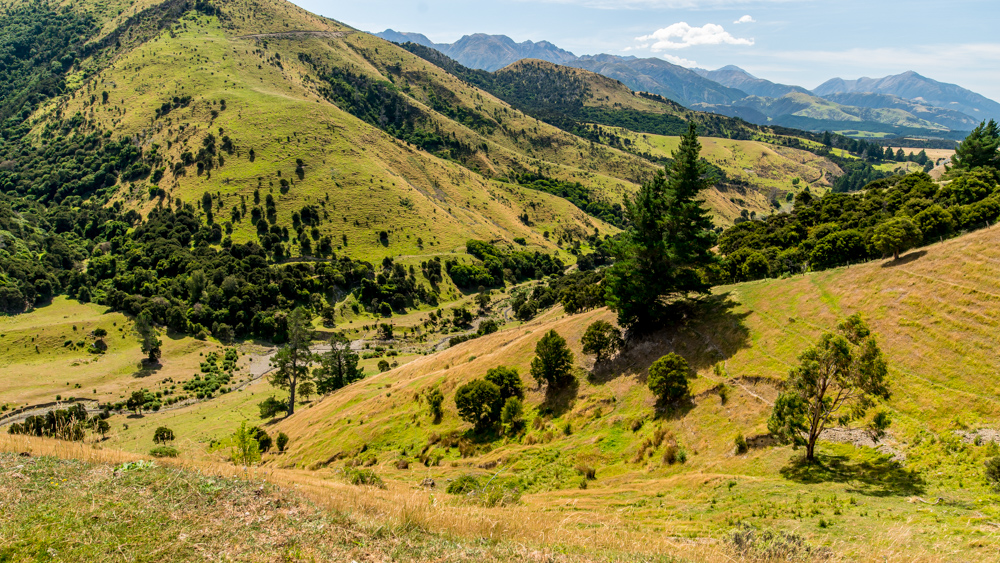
x=905, y=259
x=880, y=477
x=706, y=331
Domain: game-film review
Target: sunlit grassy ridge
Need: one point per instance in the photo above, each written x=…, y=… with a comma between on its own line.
x=366, y=180
x=935, y=314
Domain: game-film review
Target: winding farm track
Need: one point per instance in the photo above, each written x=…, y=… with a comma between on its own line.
x=297, y=35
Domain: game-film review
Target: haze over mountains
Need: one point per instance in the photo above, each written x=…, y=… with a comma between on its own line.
x=903, y=104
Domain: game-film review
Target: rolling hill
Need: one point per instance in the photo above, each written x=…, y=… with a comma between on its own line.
x=933, y=311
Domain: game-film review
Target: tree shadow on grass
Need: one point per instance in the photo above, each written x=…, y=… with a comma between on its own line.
x=705, y=332
x=559, y=400
x=905, y=259
x=878, y=477
x=147, y=368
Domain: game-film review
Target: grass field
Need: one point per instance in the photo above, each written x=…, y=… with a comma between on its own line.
x=940, y=366
x=941, y=370
x=44, y=353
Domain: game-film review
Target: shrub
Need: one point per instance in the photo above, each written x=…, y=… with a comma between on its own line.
x=668, y=378
x=602, y=340
x=435, y=404
x=282, y=441
x=993, y=472
x=507, y=380
x=512, y=415
x=263, y=440
x=741, y=444
x=768, y=545
x=162, y=435
x=164, y=451
x=364, y=477
x=586, y=471
x=270, y=407
x=463, y=485
x=245, y=449
x=479, y=403
x=553, y=360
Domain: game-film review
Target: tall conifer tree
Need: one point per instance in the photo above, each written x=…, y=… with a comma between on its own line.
x=668, y=242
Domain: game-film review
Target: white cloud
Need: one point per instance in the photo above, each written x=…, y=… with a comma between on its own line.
x=681, y=35
x=746, y=19
x=679, y=61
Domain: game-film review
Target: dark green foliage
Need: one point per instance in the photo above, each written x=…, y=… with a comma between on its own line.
x=896, y=235
x=992, y=473
x=839, y=229
x=499, y=265
x=291, y=363
x=602, y=340
x=338, y=367
x=553, y=361
x=979, y=148
x=270, y=407
x=162, y=435
x=479, y=403
x=263, y=439
x=512, y=415
x=741, y=444
x=213, y=377
x=837, y=381
x=142, y=400
x=668, y=378
x=507, y=380
x=380, y=103
x=660, y=257
x=63, y=424
x=364, y=478
x=464, y=484
x=282, y=441
x=164, y=451
x=435, y=404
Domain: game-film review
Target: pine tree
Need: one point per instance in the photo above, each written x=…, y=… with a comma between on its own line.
x=292, y=361
x=668, y=241
x=979, y=148
x=149, y=340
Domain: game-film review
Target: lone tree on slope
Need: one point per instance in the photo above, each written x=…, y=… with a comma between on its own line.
x=837, y=380
x=291, y=363
x=668, y=242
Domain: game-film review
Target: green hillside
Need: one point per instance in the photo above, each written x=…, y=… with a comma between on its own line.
x=938, y=301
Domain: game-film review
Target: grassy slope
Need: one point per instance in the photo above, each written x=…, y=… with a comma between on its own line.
x=942, y=368
x=365, y=173
x=98, y=511
x=36, y=377
x=936, y=315
x=768, y=168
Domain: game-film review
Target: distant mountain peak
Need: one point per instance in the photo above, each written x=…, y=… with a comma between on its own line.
x=734, y=68
x=910, y=85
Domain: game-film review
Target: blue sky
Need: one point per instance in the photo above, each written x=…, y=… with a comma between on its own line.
x=801, y=42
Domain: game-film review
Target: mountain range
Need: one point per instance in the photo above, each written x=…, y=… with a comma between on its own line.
x=903, y=104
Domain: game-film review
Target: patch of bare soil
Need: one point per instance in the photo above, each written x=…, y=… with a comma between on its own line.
x=859, y=437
